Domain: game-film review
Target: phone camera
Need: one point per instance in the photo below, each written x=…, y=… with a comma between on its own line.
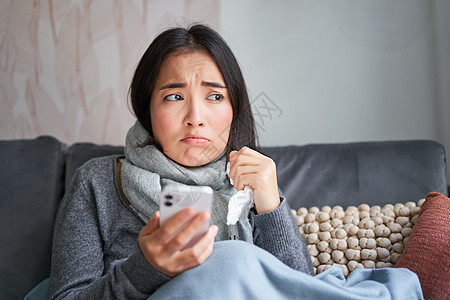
x=168, y=203
x=168, y=197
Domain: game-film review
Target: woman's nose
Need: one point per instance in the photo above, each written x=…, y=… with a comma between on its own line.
x=194, y=115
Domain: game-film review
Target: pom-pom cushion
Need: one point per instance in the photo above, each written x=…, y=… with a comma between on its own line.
x=357, y=237
x=428, y=250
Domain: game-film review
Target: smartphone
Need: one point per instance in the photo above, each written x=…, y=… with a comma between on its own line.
x=175, y=198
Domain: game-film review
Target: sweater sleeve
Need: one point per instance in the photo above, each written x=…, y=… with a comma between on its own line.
x=277, y=232
x=78, y=270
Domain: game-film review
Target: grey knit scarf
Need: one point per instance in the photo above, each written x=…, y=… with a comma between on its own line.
x=146, y=170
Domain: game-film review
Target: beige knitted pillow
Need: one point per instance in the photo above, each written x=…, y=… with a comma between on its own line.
x=358, y=237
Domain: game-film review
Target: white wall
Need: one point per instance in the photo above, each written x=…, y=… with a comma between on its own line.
x=343, y=71
x=442, y=65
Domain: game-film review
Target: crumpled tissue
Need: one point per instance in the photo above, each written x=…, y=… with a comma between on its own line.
x=240, y=203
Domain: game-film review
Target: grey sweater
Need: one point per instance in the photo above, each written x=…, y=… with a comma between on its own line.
x=95, y=250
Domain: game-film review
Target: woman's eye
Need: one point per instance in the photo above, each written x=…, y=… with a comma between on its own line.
x=215, y=97
x=173, y=97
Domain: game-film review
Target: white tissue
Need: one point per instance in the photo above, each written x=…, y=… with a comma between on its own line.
x=240, y=203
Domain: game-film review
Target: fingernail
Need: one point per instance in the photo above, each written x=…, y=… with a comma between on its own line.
x=214, y=230
x=189, y=211
x=211, y=246
x=205, y=217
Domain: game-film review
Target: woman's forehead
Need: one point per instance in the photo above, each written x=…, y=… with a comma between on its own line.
x=185, y=66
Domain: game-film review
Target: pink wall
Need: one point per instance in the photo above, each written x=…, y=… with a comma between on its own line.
x=65, y=66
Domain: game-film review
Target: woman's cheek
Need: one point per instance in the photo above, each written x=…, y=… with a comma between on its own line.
x=222, y=120
x=163, y=125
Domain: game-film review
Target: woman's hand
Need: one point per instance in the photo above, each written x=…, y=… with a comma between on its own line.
x=250, y=168
x=162, y=249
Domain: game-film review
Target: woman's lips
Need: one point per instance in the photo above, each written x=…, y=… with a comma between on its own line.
x=195, y=140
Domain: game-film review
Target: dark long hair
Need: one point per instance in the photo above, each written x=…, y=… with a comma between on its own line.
x=196, y=38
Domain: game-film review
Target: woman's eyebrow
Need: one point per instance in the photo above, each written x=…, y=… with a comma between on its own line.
x=173, y=86
x=213, y=84
x=183, y=84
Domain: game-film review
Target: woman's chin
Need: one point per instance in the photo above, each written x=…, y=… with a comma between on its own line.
x=196, y=157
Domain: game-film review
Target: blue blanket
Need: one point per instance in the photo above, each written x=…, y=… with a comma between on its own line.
x=238, y=270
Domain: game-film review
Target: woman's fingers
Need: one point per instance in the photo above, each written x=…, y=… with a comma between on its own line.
x=242, y=176
x=248, y=161
x=181, y=239
x=251, y=168
x=152, y=241
x=174, y=224
x=151, y=226
x=243, y=157
x=198, y=253
x=244, y=152
x=162, y=248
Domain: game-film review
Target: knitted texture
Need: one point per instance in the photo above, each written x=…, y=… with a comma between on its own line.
x=146, y=170
x=428, y=251
x=358, y=237
x=95, y=251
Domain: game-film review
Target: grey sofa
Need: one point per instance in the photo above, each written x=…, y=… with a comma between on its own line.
x=34, y=174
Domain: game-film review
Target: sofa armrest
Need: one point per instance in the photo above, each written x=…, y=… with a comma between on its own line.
x=31, y=187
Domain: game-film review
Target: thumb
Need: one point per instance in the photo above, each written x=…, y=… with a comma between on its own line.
x=233, y=153
x=151, y=226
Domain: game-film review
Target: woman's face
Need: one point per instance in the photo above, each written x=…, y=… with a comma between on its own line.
x=190, y=110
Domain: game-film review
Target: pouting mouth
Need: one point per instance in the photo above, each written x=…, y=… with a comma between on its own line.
x=195, y=137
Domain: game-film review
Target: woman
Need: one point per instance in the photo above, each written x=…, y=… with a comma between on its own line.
x=193, y=116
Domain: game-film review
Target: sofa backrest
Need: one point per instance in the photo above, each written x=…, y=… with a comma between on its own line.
x=375, y=173
x=80, y=153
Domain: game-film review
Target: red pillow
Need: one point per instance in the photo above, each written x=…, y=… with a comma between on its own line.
x=427, y=252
